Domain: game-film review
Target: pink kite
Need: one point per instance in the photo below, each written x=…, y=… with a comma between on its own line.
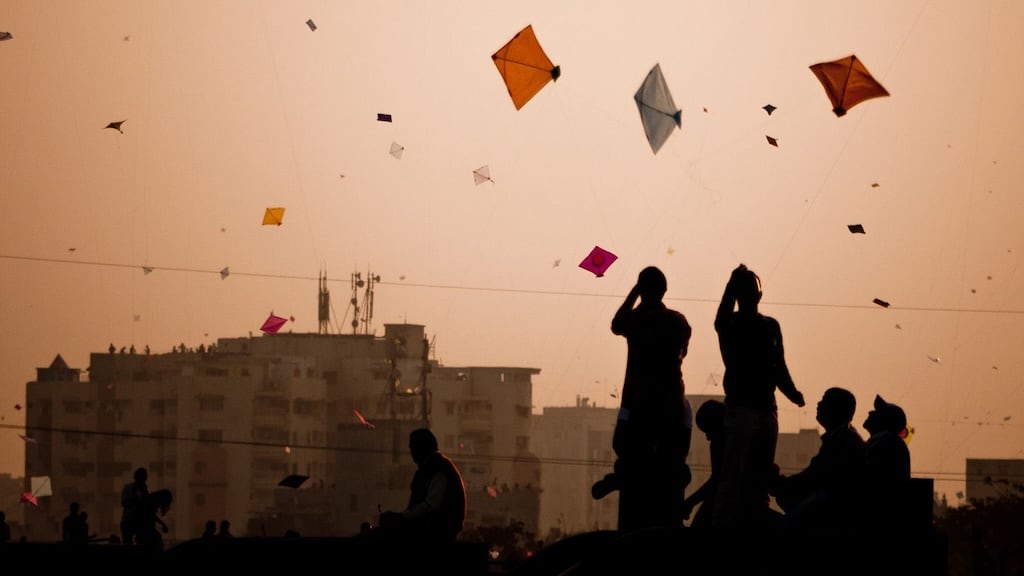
x=30, y=498
x=598, y=261
x=369, y=425
x=273, y=324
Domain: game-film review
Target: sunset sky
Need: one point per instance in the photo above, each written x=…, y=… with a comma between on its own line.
x=231, y=107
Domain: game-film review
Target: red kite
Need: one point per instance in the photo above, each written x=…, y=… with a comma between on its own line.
x=30, y=498
x=524, y=66
x=362, y=420
x=273, y=324
x=847, y=83
x=598, y=261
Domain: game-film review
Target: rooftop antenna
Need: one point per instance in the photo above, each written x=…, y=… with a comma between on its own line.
x=324, y=304
x=367, y=308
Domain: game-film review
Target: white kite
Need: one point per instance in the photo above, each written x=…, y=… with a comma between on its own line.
x=397, y=149
x=481, y=175
x=657, y=110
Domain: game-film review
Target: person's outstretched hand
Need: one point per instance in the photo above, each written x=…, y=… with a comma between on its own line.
x=799, y=399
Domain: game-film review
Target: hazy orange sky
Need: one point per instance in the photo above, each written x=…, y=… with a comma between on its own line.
x=231, y=107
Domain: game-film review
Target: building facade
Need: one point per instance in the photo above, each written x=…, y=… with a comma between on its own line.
x=221, y=427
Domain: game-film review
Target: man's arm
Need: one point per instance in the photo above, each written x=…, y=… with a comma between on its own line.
x=783, y=379
x=621, y=319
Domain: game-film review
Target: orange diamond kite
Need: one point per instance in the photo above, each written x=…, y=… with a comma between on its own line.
x=847, y=83
x=524, y=66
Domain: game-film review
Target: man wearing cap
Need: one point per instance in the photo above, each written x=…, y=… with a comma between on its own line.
x=888, y=457
x=888, y=469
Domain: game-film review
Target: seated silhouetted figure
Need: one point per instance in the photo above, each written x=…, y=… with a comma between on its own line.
x=823, y=497
x=710, y=420
x=210, y=530
x=888, y=468
x=437, y=500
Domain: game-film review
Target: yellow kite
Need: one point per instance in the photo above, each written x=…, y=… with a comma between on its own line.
x=273, y=216
x=524, y=66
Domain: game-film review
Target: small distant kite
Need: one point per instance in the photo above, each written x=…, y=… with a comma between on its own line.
x=147, y=270
x=362, y=420
x=273, y=324
x=874, y=184
x=556, y=263
x=224, y=272
x=17, y=406
x=481, y=175
x=30, y=498
x=935, y=359
x=6, y=36
x=769, y=109
x=491, y=491
x=383, y=117
x=116, y=126
x=524, y=67
x=658, y=111
x=311, y=24
x=598, y=261
x=273, y=216
x=28, y=439
x=397, y=149
x=847, y=83
x=856, y=228
x=293, y=481
x=41, y=486
x=881, y=302
x=773, y=141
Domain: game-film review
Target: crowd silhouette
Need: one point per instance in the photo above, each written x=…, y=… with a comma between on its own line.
x=851, y=487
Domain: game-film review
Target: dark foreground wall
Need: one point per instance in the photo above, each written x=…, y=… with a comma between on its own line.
x=336, y=555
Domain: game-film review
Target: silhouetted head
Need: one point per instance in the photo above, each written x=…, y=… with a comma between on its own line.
x=211, y=526
x=422, y=443
x=710, y=416
x=141, y=475
x=652, y=284
x=74, y=507
x=885, y=417
x=225, y=526
x=836, y=408
x=747, y=289
x=162, y=500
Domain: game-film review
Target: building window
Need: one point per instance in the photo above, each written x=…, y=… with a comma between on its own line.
x=522, y=442
x=73, y=406
x=211, y=403
x=216, y=372
x=211, y=435
x=158, y=406
x=199, y=499
x=199, y=467
x=245, y=372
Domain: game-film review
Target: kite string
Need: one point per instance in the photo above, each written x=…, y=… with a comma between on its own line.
x=288, y=130
x=979, y=107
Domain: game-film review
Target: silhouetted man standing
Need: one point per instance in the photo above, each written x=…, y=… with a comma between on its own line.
x=755, y=366
x=652, y=436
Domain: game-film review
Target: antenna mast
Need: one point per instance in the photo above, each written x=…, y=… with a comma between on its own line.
x=324, y=304
x=367, y=309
